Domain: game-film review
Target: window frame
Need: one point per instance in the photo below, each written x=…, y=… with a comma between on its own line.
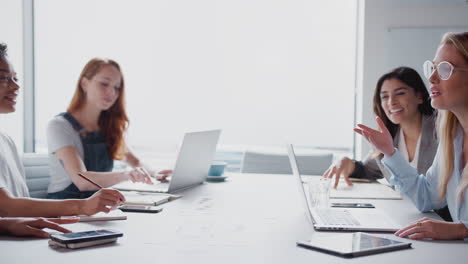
x=29, y=130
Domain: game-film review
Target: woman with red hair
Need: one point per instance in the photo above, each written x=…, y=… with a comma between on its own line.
x=90, y=136
x=19, y=212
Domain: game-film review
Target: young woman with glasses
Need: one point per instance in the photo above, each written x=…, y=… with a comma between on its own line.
x=14, y=194
x=445, y=182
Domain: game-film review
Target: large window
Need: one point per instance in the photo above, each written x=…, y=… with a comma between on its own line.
x=264, y=71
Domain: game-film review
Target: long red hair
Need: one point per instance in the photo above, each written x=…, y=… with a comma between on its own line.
x=112, y=122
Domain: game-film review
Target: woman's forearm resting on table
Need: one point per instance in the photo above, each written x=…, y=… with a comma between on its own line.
x=27, y=207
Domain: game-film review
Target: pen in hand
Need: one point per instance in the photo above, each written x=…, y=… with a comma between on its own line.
x=94, y=183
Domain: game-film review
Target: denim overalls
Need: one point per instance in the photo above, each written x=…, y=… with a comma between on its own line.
x=96, y=158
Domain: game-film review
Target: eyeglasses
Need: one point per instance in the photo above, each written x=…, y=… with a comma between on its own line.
x=444, y=69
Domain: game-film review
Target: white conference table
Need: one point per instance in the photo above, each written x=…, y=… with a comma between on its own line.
x=250, y=218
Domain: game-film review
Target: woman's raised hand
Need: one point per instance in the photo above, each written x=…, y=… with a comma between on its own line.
x=381, y=140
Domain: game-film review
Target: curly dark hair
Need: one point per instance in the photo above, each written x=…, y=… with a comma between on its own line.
x=3, y=51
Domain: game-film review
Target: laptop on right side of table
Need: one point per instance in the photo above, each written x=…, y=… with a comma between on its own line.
x=334, y=219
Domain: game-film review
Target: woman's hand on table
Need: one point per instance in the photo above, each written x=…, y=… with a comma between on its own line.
x=427, y=228
x=343, y=168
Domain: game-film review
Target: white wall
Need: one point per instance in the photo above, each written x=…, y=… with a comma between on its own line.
x=11, y=33
x=380, y=15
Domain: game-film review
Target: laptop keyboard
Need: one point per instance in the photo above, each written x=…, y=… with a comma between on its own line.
x=337, y=217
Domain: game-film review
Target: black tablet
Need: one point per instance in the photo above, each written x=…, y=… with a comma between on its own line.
x=353, y=244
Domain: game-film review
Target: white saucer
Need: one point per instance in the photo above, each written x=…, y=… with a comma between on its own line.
x=215, y=178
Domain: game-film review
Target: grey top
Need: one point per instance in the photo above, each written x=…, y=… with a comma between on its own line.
x=372, y=167
x=12, y=176
x=60, y=133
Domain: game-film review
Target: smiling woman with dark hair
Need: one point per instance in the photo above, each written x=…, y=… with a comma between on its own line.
x=407, y=80
x=402, y=102
x=14, y=194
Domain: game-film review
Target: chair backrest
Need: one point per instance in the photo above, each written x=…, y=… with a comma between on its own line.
x=36, y=167
x=278, y=163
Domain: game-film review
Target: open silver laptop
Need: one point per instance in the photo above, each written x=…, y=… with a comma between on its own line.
x=341, y=219
x=191, y=168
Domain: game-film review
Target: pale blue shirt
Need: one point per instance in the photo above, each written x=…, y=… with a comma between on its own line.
x=423, y=190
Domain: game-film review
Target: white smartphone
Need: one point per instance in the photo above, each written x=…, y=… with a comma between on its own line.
x=79, y=237
x=53, y=243
x=353, y=205
x=140, y=209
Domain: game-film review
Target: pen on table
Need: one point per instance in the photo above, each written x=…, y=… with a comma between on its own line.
x=92, y=182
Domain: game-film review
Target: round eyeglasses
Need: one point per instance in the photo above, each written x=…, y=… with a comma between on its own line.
x=444, y=69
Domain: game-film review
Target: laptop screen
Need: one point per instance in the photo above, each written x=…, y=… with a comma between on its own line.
x=297, y=175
